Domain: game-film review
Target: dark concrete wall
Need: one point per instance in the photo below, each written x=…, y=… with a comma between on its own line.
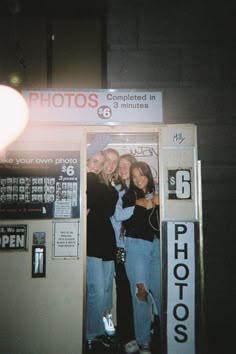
x=188, y=52
x=55, y=52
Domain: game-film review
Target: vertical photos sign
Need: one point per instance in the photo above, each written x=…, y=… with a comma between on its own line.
x=180, y=275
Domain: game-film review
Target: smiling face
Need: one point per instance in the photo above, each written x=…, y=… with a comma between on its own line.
x=139, y=180
x=96, y=163
x=124, y=167
x=111, y=163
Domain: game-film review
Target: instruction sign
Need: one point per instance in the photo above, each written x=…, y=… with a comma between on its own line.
x=38, y=184
x=66, y=239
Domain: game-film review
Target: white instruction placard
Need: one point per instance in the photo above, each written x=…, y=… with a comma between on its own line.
x=66, y=239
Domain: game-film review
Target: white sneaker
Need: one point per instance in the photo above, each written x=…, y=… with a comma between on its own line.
x=131, y=347
x=108, y=324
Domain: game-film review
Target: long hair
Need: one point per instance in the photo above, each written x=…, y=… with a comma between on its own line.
x=134, y=192
x=131, y=159
x=104, y=178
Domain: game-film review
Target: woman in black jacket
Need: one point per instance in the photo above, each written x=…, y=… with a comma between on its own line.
x=101, y=247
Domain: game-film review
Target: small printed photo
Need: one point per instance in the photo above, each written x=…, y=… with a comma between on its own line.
x=46, y=189
x=58, y=186
x=27, y=181
x=27, y=189
x=9, y=189
x=46, y=180
x=9, y=197
x=40, y=180
x=40, y=198
x=34, y=197
x=34, y=181
x=52, y=189
x=69, y=194
x=34, y=189
x=9, y=181
x=27, y=198
x=3, y=181
x=15, y=189
x=52, y=181
x=63, y=194
x=40, y=189
x=46, y=198
x=22, y=181
x=69, y=186
x=4, y=190
x=15, y=180
x=51, y=198
x=58, y=195
x=3, y=198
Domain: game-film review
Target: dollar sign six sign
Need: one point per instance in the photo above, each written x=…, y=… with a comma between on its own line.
x=104, y=112
x=69, y=170
x=179, y=184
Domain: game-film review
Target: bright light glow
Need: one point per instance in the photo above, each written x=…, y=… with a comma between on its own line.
x=14, y=115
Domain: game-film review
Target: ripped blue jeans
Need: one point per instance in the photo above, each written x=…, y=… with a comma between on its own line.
x=143, y=267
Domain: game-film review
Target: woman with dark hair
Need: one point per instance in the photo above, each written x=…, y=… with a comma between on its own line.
x=142, y=232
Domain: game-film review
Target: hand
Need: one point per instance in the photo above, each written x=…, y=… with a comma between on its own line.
x=155, y=199
x=141, y=202
x=147, y=204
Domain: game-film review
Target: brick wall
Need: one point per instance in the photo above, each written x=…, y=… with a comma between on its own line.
x=188, y=52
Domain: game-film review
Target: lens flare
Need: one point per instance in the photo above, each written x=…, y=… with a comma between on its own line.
x=14, y=115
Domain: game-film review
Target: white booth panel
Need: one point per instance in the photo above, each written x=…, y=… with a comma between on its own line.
x=40, y=315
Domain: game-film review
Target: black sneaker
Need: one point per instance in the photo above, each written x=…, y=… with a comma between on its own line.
x=100, y=345
x=144, y=349
x=103, y=340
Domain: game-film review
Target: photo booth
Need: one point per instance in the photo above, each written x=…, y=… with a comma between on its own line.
x=43, y=216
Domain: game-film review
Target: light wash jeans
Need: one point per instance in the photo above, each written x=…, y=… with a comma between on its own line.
x=143, y=266
x=99, y=288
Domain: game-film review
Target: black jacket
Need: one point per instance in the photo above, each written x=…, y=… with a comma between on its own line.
x=101, y=202
x=144, y=223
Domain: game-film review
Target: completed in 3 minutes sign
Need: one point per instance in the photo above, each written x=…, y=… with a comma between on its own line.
x=98, y=107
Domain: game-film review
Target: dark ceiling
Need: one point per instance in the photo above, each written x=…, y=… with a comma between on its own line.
x=51, y=8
